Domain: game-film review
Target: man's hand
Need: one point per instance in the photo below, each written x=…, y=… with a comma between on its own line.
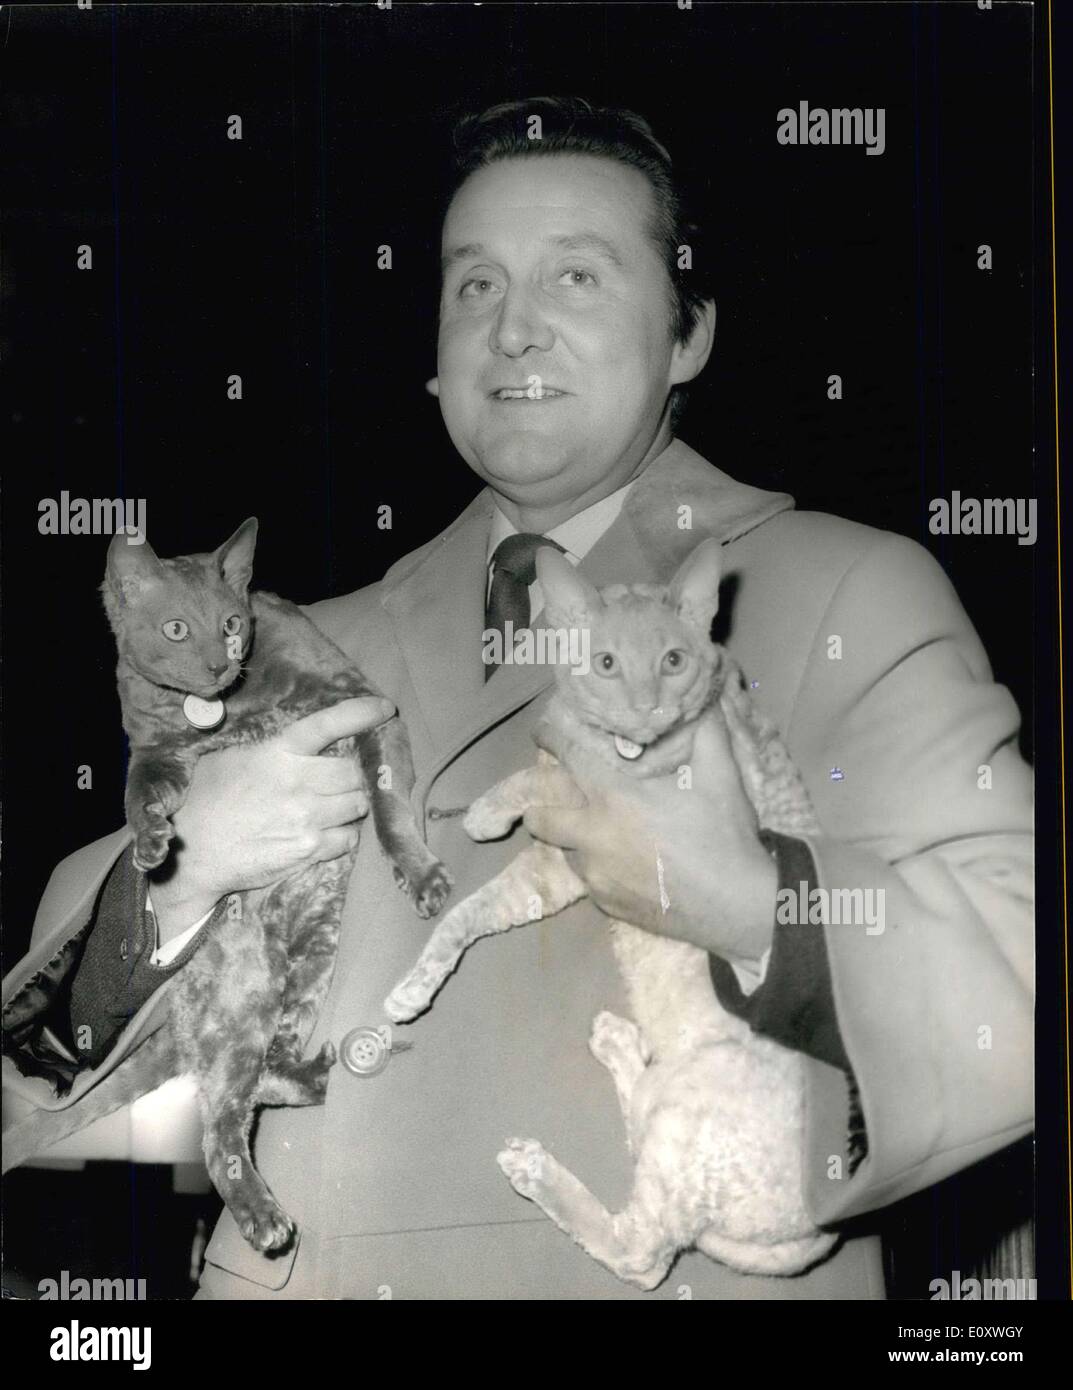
x=683, y=862
x=255, y=814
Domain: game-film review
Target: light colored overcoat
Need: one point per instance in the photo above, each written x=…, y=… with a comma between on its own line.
x=393, y=1181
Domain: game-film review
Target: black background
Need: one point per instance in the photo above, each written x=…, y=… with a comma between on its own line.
x=258, y=257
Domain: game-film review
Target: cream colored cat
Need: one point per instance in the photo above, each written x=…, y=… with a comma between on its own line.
x=714, y=1113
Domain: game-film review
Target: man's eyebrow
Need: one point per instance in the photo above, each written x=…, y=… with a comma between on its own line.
x=590, y=241
x=573, y=241
x=461, y=253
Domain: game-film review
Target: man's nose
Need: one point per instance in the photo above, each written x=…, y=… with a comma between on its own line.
x=519, y=325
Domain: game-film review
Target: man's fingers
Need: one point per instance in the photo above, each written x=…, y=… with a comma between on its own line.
x=556, y=825
x=553, y=786
x=332, y=776
x=357, y=716
x=340, y=840
x=333, y=811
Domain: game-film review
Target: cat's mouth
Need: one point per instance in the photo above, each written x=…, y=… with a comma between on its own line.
x=214, y=690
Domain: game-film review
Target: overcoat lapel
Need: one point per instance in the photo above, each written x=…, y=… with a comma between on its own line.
x=437, y=610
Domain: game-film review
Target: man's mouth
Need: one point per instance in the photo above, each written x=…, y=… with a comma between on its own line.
x=526, y=393
x=626, y=747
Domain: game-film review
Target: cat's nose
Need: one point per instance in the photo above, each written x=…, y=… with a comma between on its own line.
x=218, y=670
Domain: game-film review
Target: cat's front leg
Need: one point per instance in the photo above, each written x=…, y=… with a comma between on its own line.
x=537, y=884
x=157, y=783
x=388, y=767
x=493, y=813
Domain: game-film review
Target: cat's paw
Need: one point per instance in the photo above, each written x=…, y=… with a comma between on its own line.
x=267, y=1227
x=311, y=1076
x=614, y=1039
x=525, y=1163
x=318, y=1069
x=151, y=845
x=485, y=820
x=429, y=886
x=406, y=1001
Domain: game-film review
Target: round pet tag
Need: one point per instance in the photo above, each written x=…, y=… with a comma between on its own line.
x=203, y=714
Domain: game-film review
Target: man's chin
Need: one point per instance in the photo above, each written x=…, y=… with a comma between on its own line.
x=522, y=462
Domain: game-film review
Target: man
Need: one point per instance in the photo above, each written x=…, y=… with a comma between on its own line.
x=567, y=333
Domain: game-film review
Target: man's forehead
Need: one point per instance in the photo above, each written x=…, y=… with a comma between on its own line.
x=585, y=239
x=574, y=203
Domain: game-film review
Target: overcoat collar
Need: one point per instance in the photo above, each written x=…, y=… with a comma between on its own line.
x=437, y=604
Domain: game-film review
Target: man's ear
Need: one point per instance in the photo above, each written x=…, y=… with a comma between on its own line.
x=694, y=590
x=570, y=600
x=688, y=358
x=132, y=567
x=235, y=557
x=432, y=386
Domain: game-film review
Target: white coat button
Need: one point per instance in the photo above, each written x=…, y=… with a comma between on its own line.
x=366, y=1051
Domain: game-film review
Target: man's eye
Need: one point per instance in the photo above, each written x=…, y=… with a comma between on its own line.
x=572, y=277
x=473, y=289
x=605, y=664
x=175, y=630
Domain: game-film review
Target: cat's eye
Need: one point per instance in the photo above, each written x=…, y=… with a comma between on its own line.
x=674, y=660
x=232, y=625
x=605, y=664
x=176, y=630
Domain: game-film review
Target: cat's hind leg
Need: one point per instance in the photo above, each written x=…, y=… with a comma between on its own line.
x=288, y=1080
x=303, y=914
x=619, y=1045
x=751, y=1257
x=260, y=1218
x=226, y=1010
x=539, y=877
x=628, y=1243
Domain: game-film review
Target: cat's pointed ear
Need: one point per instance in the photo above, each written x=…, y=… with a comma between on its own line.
x=694, y=590
x=132, y=567
x=235, y=557
x=569, y=599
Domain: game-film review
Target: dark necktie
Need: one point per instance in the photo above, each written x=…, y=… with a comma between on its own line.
x=513, y=570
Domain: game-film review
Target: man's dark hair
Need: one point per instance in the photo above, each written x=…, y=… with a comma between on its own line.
x=571, y=125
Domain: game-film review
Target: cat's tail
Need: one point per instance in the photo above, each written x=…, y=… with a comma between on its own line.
x=148, y=1066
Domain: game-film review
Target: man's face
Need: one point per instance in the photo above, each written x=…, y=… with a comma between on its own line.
x=553, y=287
